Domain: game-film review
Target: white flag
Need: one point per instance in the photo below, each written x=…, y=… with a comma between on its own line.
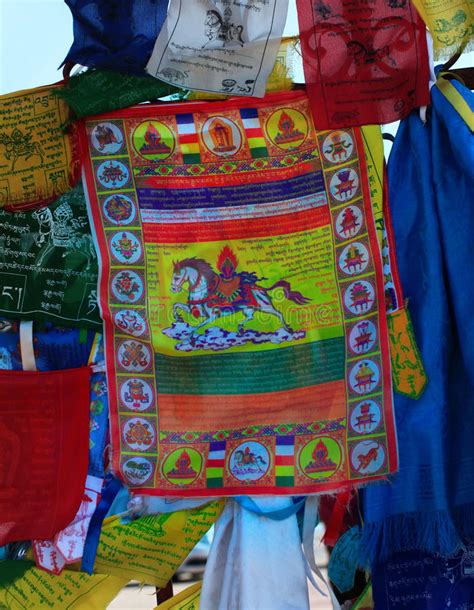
x=219, y=46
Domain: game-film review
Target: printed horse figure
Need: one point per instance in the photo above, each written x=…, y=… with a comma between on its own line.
x=249, y=458
x=19, y=145
x=222, y=30
x=58, y=234
x=212, y=295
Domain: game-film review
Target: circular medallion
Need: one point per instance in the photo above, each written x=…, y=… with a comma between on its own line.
x=153, y=140
x=139, y=434
x=287, y=128
x=359, y=297
x=364, y=377
x=107, y=138
x=338, y=147
x=349, y=222
x=249, y=461
x=344, y=184
x=183, y=466
x=362, y=337
x=367, y=457
x=365, y=417
x=127, y=286
x=119, y=209
x=320, y=458
x=134, y=356
x=354, y=259
x=125, y=247
x=221, y=136
x=131, y=322
x=137, y=470
x=113, y=174
x=136, y=394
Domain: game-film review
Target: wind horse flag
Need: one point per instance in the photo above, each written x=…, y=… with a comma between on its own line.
x=364, y=62
x=38, y=159
x=242, y=292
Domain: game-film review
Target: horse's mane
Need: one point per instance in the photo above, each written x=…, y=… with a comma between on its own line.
x=202, y=266
x=215, y=14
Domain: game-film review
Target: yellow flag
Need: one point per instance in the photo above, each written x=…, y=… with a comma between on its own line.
x=73, y=590
x=451, y=23
x=152, y=548
x=38, y=161
x=188, y=599
x=374, y=157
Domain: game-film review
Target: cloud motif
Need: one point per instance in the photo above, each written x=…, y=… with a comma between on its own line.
x=218, y=339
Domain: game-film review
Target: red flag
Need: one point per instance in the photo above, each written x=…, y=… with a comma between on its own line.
x=44, y=442
x=365, y=61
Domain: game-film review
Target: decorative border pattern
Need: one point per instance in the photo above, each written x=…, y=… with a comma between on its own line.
x=352, y=218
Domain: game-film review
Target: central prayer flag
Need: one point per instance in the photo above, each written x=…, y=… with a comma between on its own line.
x=243, y=298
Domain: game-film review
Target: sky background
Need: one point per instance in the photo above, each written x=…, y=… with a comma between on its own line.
x=35, y=36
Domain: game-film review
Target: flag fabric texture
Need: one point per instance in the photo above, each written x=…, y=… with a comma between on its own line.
x=116, y=35
x=429, y=505
x=450, y=22
x=363, y=63
x=54, y=347
x=48, y=270
x=44, y=432
x=237, y=240
x=39, y=160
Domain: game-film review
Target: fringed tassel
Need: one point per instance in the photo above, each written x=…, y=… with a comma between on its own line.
x=432, y=532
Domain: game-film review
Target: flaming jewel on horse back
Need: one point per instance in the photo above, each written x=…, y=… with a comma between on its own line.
x=213, y=295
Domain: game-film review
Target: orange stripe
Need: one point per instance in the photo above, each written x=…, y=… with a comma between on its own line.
x=209, y=413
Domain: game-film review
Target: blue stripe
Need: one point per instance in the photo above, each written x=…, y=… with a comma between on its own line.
x=285, y=440
x=183, y=119
x=217, y=446
x=249, y=113
x=227, y=196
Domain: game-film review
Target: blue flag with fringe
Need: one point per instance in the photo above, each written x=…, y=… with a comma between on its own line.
x=429, y=504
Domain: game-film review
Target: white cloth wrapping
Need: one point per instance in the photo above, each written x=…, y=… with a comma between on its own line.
x=255, y=563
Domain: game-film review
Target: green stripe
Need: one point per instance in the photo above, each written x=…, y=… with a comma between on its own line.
x=285, y=481
x=214, y=483
x=214, y=472
x=258, y=152
x=252, y=372
x=192, y=158
x=282, y=471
